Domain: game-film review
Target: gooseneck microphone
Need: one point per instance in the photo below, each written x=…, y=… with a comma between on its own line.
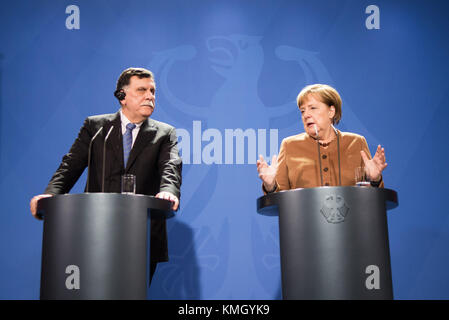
x=338, y=150
x=319, y=152
x=89, y=155
x=104, y=157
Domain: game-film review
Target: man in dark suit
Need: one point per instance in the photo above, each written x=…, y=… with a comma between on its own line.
x=137, y=145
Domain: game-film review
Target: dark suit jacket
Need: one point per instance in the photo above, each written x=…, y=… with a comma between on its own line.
x=154, y=159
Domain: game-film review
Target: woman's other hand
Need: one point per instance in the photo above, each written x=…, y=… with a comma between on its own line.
x=267, y=173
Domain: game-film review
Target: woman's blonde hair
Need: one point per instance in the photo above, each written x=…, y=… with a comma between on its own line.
x=325, y=94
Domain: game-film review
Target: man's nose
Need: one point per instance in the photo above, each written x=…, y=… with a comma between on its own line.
x=149, y=95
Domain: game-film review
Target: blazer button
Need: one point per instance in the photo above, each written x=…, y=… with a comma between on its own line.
x=325, y=169
x=324, y=156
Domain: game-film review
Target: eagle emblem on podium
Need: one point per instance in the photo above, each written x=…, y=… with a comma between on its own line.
x=334, y=208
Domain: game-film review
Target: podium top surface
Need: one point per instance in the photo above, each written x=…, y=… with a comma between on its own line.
x=268, y=204
x=162, y=206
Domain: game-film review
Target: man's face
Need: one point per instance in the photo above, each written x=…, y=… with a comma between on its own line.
x=139, y=101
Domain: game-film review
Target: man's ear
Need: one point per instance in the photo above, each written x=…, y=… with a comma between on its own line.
x=120, y=94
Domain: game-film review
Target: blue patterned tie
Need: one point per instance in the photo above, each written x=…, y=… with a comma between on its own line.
x=128, y=141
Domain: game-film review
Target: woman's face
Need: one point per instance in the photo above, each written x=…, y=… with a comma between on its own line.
x=314, y=112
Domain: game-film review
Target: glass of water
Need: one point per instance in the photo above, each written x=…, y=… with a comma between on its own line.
x=128, y=184
x=361, y=179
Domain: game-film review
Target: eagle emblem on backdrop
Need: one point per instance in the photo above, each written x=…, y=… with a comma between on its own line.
x=237, y=61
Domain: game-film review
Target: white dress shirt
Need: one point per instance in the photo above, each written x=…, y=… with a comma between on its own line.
x=125, y=121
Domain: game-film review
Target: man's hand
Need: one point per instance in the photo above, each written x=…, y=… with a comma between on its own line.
x=170, y=197
x=33, y=203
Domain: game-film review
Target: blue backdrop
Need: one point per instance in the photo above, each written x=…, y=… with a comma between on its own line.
x=222, y=66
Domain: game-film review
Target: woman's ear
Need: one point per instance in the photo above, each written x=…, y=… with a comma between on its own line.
x=331, y=112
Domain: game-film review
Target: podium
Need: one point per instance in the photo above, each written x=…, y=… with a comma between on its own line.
x=333, y=241
x=96, y=245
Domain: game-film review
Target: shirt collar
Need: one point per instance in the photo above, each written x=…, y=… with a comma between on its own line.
x=125, y=120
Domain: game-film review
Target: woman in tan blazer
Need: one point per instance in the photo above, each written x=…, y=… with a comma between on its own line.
x=340, y=153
